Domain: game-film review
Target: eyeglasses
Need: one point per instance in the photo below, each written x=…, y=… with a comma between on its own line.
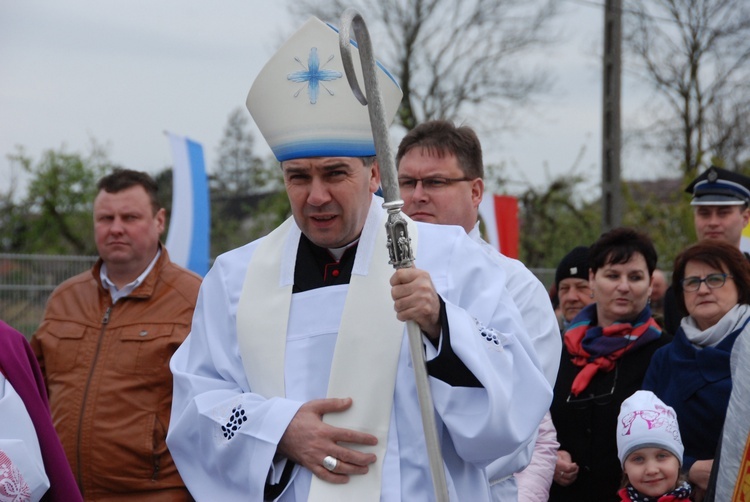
x=598, y=399
x=428, y=184
x=713, y=281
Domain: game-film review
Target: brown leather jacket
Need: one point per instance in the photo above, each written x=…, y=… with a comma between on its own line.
x=107, y=373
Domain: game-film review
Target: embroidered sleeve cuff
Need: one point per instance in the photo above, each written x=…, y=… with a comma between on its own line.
x=281, y=470
x=447, y=366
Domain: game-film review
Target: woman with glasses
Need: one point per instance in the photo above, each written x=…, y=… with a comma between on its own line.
x=711, y=281
x=606, y=351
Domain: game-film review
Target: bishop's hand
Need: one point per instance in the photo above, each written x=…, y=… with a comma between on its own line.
x=415, y=299
x=308, y=441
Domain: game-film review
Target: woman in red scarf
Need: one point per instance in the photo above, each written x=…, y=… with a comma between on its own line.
x=606, y=351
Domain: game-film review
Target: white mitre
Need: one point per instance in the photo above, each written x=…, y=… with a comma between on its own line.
x=303, y=105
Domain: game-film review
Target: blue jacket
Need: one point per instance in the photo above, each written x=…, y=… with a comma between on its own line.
x=697, y=384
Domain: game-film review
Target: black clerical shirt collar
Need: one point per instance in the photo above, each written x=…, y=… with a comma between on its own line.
x=316, y=267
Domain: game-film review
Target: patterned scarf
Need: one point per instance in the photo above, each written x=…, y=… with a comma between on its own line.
x=597, y=349
x=630, y=494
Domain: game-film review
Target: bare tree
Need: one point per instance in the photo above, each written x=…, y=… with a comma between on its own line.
x=450, y=56
x=246, y=202
x=695, y=55
x=239, y=171
x=729, y=130
x=555, y=219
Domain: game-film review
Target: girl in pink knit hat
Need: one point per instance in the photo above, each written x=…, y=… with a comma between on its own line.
x=650, y=450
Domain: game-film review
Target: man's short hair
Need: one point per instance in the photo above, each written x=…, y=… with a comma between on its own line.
x=368, y=161
x=122, y=179
x=442, y=138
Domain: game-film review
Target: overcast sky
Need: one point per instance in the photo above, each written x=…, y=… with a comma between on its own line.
x=122, y=72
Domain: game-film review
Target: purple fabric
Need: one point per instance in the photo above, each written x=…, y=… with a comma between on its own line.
x=18, y=364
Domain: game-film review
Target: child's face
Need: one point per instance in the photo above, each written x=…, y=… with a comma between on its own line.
x=652, y=471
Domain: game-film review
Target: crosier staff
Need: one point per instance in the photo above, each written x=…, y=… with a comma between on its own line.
x=399, y=246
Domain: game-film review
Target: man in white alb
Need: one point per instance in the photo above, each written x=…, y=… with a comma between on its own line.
x=296, y=383
x=441, y=178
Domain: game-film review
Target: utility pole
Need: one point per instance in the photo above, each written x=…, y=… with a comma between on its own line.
x=611, y=133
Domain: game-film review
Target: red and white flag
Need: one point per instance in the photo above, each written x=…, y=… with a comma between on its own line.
x=500, y=216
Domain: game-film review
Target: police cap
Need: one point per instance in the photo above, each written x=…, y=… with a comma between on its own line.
x=719, y=187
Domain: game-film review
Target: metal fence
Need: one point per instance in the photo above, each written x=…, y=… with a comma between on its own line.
x=27, y=280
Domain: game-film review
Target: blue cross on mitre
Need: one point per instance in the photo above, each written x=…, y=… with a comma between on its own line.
x=313, y=75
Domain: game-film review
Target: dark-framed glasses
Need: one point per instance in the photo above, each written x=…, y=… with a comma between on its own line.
x=432, y=183
x=713, y=281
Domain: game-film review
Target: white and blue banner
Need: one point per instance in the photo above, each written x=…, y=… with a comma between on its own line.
x=188, y=240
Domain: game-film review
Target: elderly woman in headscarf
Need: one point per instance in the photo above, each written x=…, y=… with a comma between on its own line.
x=606, y=351
x=711, y=281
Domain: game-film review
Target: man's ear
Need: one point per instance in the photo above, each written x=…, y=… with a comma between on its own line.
x=477, y=191
x=374, y=176
x=161, y=218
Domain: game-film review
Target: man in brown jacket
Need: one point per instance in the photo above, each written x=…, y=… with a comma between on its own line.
x=104, y=347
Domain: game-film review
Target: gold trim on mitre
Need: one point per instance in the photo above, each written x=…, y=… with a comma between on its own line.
x=303, y=105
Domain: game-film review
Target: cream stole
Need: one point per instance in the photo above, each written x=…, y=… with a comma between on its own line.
x=367, y=349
